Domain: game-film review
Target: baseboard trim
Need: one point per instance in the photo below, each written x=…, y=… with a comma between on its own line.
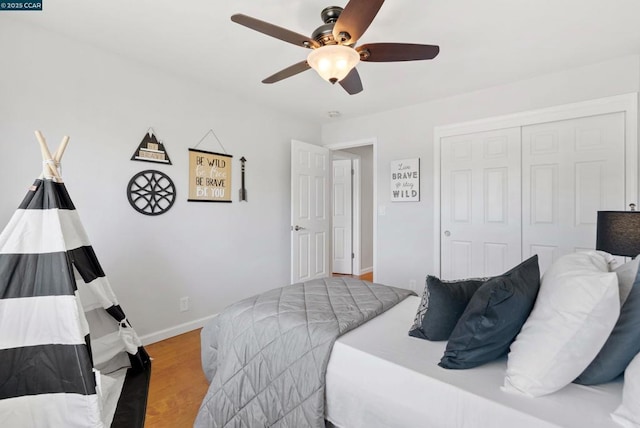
x=366, y=270
x=150, y=338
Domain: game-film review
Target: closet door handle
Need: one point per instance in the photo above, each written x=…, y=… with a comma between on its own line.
x=447, y=233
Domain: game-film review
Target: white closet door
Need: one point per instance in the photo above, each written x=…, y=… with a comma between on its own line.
x=481, y=206
x=571, y=169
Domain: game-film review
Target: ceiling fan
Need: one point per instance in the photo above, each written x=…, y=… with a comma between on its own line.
x=334, y=55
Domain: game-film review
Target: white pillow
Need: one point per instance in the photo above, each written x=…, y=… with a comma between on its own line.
x=627, y=273
x=628, y=414
x=576, y=309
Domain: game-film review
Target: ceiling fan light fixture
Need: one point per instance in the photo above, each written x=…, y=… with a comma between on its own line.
x=333, y=62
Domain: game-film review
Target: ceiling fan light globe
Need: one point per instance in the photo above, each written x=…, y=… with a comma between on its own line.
x=333, y=62
x=324, y=65
x=342, y=64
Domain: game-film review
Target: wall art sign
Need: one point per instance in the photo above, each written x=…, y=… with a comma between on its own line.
x=209, y=176
x=151, y=192
x=151, y=150
x=405, y=180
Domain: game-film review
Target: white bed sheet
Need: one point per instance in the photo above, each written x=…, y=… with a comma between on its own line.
x=378, y=376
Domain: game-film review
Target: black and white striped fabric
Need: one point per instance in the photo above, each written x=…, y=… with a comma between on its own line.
x=68, y=355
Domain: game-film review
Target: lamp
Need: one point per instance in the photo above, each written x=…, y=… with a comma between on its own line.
x=333, y=62
x=618, y=232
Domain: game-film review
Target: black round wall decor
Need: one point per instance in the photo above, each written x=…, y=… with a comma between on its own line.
x=151, y=192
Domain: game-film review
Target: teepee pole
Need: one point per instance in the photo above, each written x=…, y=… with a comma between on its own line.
x=61, y=148
x=49, y=168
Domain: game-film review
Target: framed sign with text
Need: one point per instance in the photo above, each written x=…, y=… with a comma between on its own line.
x=151, y=150
x=405, y=180
x=209, y=176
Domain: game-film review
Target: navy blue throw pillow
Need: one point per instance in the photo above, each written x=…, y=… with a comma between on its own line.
x=493, y=318
x=622, y=345
x=443, y=302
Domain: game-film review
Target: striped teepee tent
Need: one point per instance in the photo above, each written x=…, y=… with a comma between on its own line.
x=68, y=356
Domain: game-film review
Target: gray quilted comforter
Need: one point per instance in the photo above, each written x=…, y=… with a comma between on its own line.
x=268, y=367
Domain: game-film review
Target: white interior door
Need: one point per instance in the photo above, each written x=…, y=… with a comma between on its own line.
x=310, y=221
x=342, y=217
x=480, y=203
x=571, y=169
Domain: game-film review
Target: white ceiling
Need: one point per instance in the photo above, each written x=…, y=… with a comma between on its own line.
x=482, y=44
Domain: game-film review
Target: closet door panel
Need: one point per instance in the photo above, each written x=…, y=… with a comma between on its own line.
x=570, y=170
x=481, y=205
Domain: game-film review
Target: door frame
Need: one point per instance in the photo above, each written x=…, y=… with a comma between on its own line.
x=626, y=103
x=356, y=189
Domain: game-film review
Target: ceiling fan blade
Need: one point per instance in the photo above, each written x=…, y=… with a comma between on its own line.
x=352, y=83
x=388, y=52
x=275, y=31
x=288, y=72
x=355, y=19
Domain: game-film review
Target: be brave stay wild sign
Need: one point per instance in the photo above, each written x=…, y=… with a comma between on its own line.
x=405, y=180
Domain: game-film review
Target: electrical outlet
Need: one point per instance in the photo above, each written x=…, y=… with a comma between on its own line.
x=184, y=304
x=412, y=284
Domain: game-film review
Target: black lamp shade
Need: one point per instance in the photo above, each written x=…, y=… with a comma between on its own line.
x=619, y=233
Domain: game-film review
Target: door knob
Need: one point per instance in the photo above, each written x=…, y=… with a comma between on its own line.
x=447, y=233
x=296, y=228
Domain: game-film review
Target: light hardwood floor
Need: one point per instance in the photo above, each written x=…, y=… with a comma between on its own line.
x=366, y=276
x=177, y=383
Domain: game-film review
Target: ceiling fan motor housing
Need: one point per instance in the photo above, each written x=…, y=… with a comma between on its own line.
x=330, y=14
x=324, y=33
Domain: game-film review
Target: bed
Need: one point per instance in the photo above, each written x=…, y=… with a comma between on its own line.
x=375, y=375
x=378, y=377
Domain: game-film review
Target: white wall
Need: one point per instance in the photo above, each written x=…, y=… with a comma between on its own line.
x=213, y=253
x=405, y=234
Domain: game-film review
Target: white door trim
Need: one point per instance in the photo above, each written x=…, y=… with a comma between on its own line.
x=356, y=245
x=627, y=103
x=356, y=213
